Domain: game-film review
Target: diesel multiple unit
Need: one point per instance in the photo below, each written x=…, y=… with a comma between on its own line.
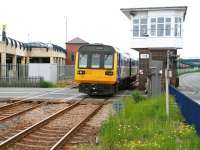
x=103, y=69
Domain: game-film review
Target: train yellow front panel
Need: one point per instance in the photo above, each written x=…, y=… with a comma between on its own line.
x=96, y=75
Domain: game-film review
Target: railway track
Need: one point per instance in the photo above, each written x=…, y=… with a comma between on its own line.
x=54, y=131
x=20, y=106
x=78, y=134
x=17, y=108
x=88, y=132
x=19, y=123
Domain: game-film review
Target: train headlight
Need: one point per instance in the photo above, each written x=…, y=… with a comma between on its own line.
x=109, y=73
x=81, y=72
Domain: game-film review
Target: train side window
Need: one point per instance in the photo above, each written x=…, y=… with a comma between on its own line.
x=108, y=61
x=95, y=60
x=83, y=60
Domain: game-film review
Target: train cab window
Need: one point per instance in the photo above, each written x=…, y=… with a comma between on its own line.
x=95, y=60
x=108, y=61
x=83, y=60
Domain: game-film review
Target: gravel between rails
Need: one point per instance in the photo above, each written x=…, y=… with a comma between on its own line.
x=15, y=109
x=89, y=131
x=3, y=103
x=15, y=125
x=49, y=134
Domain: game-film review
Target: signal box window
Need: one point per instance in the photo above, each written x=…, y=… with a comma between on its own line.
x=108, y=61
x=143, y=27
x=160, y=26
x=153, y=26
x=83, y=60
x=167, y=26
x=95, y=61
x=177, y=26
x=136, y=27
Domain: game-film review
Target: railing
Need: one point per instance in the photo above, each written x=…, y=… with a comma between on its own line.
x=65, y=72
x=189, y=108
x=21, y=75
x=14, y=71
x=20, y=82
x=188, y=70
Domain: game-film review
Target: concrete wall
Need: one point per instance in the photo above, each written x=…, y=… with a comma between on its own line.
x=47, y=71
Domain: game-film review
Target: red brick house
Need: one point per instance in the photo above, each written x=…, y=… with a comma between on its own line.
x=71, y=47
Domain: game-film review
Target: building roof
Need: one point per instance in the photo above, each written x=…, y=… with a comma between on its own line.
x=77, y=40
x=45, y=45
x=130, y=11
x=30, y=45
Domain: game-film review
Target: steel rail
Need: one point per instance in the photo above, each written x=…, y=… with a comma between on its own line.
x=21, y=112
x=62, y=141
x=25, y=99
x=11, y=105
x=34, y=127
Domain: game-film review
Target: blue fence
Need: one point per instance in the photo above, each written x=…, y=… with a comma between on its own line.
x=189, y=108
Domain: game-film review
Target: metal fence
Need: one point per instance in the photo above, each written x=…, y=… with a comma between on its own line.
x=189, y=108
x=65, y=72
x=14, y=71
x=188, y=70
x=20, y=75
x=20, y=82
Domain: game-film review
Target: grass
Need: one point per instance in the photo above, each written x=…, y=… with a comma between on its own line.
x=47, y=84
x=143, y=125
x=59, y=84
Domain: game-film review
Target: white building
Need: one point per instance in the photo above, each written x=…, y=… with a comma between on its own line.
x=154, y=30
x=156, y=27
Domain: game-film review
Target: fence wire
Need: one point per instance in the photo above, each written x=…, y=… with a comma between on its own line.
x=18, y=75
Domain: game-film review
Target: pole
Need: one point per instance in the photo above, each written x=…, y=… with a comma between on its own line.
x=167, y=84
x=28, y=37
x=66, y=28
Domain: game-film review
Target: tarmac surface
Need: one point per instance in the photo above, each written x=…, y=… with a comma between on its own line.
x=64, y=94
x=190, y=85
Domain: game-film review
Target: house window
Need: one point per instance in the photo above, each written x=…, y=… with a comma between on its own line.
x=177, y=26
x=160, y=26
x=167, y=26
x=136, y=27
x=72, y=57
x=143, y=27
x=153, y=26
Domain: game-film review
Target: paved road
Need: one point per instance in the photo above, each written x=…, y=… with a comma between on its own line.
x=39, y=93
x=64, y=94
x=190, y=85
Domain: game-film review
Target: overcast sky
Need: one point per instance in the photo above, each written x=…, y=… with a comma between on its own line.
x=95, y=21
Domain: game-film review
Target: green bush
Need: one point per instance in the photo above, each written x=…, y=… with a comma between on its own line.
x=46, y=84
x=137, y=97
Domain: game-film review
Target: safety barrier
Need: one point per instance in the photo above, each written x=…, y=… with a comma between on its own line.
x=30, y=75
x=189, y=108
x=20, y=82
